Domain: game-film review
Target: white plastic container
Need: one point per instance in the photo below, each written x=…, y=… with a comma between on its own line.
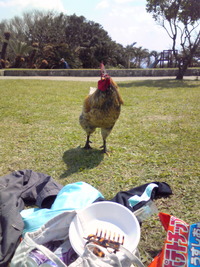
x=105, y=215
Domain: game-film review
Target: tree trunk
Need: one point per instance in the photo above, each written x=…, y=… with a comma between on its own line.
x=181, y=72
x=32, y=55
x=18, y=62
x=183, y=67
x=5, y=44
x=128, y=62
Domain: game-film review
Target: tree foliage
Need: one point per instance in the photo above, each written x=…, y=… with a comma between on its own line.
x=21, y=50
x=181, y=20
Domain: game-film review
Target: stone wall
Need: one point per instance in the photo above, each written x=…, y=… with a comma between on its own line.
x=96, y=73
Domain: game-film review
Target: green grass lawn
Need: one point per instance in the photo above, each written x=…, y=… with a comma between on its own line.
x=157, y=138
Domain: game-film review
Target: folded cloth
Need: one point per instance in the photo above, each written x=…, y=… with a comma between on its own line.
x=71, y=197
x=146, y=196
x=158, y=190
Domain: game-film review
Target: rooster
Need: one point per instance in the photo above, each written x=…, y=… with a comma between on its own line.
x=101, y=109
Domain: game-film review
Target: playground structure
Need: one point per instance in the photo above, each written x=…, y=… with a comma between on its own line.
x=166, y=60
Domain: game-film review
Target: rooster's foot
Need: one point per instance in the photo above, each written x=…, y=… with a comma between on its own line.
x=87, y=145
x=104, y=150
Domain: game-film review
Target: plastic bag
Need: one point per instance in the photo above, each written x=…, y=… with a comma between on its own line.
x=182, y=244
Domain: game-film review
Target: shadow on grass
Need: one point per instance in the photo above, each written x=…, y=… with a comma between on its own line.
x=79, y=159
x=161, y=84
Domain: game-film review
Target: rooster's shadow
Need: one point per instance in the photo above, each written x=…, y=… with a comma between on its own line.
x=79, y=159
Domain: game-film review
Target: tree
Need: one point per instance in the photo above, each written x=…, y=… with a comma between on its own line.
x=20, y=50
x=180, y=19
x=140, y=56
x=130, y=53
x=4, y=48
x=91, y=40
x=45, y=27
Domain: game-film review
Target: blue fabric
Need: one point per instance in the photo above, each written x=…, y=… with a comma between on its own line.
x=144, y=197
x=71, y=197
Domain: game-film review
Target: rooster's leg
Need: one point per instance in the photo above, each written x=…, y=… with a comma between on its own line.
x=105, y=132
x=87, y=144
x=104, y=150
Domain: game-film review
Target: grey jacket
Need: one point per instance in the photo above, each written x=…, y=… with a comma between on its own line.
x=18, y=189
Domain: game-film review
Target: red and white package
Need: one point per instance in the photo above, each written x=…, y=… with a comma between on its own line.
x=182, y=244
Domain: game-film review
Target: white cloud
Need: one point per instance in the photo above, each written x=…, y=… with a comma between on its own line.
x=103, y=4
x=45, y=4
x=112, y=3
x=123, y=1
x=6, y=3
x=33, y=4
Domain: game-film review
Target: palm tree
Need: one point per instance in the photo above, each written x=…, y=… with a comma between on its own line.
x=20, y=50
x=141, y=54
x=130, y=53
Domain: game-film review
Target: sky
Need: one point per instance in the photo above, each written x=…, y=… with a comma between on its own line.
x=126, y=21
